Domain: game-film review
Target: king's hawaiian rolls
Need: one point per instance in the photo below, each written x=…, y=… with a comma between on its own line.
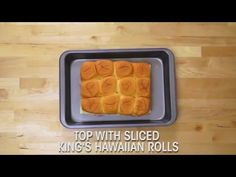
x=118, y=87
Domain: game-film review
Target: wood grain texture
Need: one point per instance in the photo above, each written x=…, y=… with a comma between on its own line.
x=205, y=68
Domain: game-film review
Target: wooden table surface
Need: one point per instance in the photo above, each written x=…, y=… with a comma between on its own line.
x=205, y=68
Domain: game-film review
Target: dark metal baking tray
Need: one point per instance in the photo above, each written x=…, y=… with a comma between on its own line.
x=163, y=93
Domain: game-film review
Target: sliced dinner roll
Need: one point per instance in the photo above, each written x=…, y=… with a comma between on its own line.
x=141, y=69
x=90, y=88
x=126, y=105
x=104, y=67
x=88, y=71
x=127, y=86
x=110, y=104
x=92, y=105
x=123, y=69
x=108, y=85
x=141, y=106
x=143, y=87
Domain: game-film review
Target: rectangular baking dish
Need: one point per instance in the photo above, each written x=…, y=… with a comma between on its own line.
x=163, y=94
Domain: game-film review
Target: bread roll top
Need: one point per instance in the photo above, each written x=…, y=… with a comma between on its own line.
x=119, y=87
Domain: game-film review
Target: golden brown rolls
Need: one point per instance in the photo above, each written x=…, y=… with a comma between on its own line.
x=141, y=69
x=104, y=67
x=110, y=104
x=90, y=88
x=127, y=86
x=126, y=105
x=92, y=105
x=108, y=85
x=88, y=70
x=141, y=106
x=119, y=87
x=143, y=87
x=123, y=68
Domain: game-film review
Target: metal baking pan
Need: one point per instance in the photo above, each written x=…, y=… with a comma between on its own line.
x=163, y=93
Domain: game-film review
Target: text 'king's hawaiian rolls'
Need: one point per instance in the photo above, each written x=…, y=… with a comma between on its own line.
x=143, y=87
x=110, y=104
x=126, y=105
x=90, y=88
x=123, y=69
x=141, y=106
x=104, y=67
x=88, y=71
x=108, y=85
x=92, y=105
x=127, y=86
x=141, y=69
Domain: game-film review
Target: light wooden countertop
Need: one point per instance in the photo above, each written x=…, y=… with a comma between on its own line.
x=205, y=68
